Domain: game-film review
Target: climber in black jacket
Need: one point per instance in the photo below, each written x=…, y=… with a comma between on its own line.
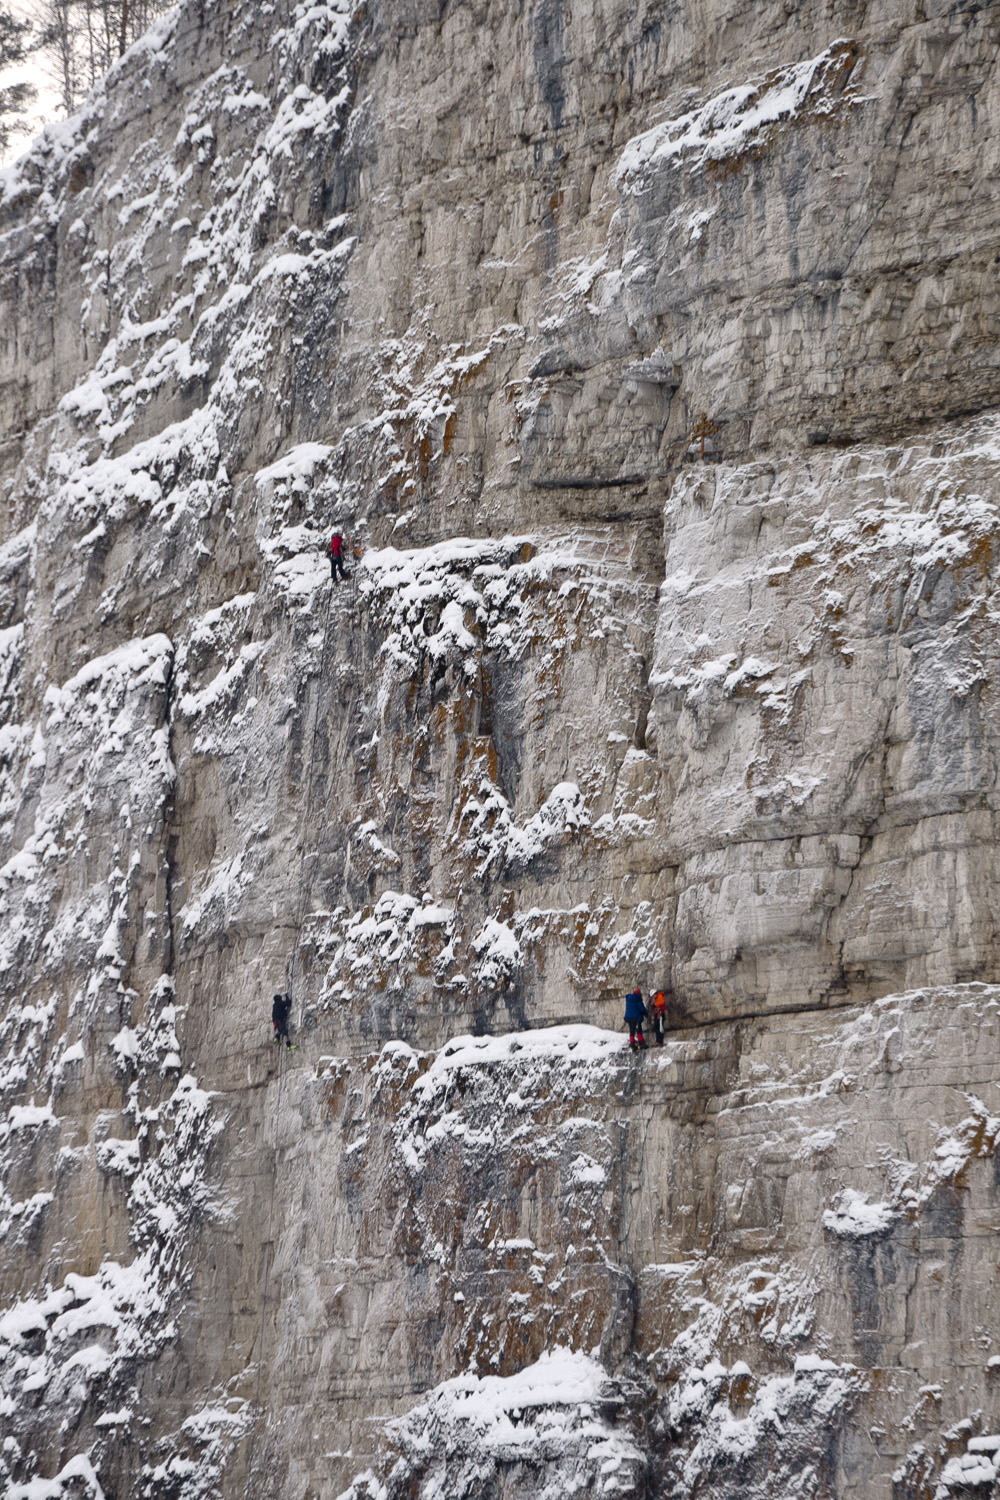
x=281, y=1009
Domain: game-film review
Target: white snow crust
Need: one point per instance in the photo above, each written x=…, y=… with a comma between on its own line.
x=546, y=1416
x=737, y=120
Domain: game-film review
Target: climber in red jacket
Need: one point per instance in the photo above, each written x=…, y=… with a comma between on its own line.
x=336, y=552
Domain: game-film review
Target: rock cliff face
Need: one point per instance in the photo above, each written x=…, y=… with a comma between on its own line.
x=458, y=280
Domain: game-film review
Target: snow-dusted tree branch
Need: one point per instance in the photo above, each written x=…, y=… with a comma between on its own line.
x=81, y=39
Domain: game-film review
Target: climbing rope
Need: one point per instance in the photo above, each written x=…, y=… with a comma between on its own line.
x=357, y=552
x=631, y=1085
x=289, y=978
x=303, y=884
x=268, y=1253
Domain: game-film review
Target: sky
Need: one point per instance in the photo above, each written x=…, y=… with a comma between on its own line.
x=46, y=107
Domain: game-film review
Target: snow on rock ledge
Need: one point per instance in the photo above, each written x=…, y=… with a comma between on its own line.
x=547, y=1431
x=739, y=119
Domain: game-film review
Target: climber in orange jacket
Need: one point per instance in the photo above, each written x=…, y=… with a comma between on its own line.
x=659, y=1016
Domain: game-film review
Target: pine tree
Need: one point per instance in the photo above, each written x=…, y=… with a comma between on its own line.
x=15, y=98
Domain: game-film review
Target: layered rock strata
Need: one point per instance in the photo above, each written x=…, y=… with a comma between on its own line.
x=589, y=711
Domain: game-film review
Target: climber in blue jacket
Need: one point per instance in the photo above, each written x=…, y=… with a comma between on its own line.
x=635, y=1012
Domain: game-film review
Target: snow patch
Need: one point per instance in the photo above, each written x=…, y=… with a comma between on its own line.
x=739, y=119
x=547, y=1415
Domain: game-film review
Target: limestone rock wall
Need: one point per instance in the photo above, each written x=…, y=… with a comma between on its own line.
x=589, y=712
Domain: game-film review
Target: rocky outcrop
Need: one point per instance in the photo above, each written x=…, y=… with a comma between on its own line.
x=589, y=711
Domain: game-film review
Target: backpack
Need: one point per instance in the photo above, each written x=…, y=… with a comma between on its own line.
x=634, y=1008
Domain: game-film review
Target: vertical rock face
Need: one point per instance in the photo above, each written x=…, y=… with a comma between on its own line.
x=589, y=711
